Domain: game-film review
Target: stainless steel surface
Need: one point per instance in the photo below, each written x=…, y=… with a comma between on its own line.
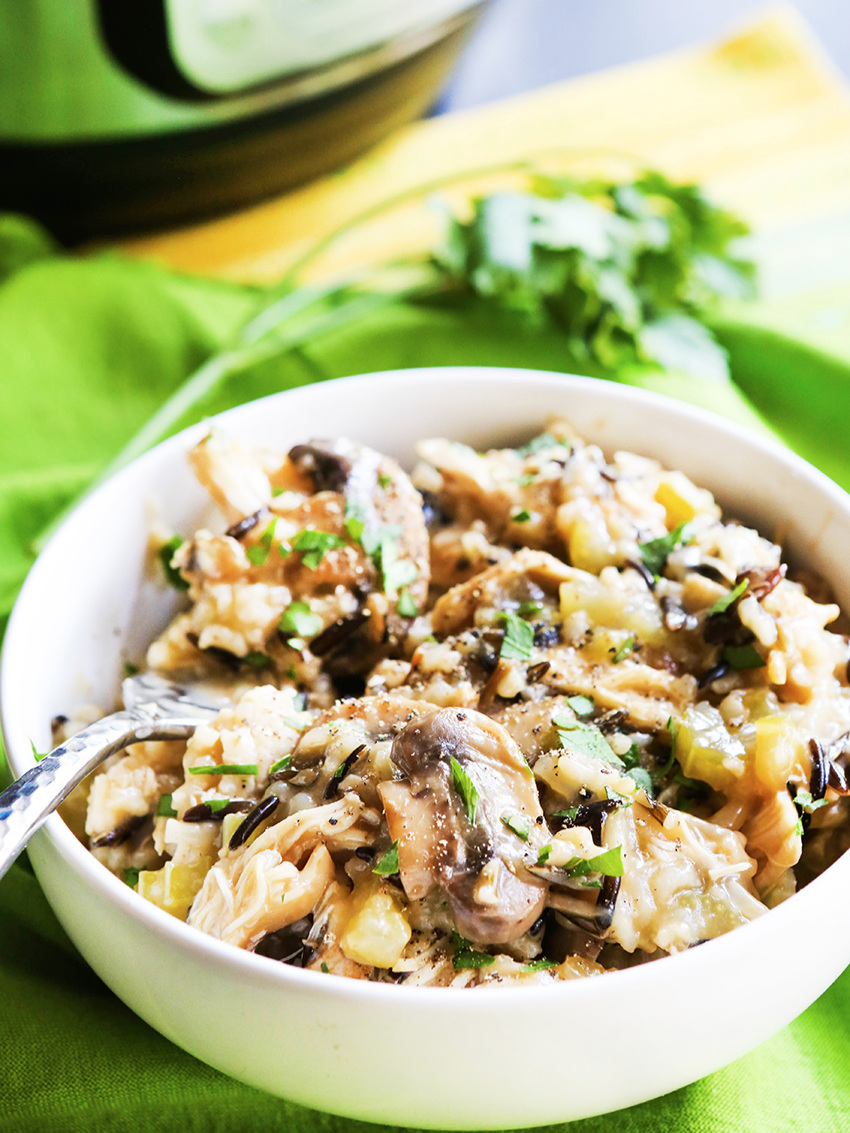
x=155, y=710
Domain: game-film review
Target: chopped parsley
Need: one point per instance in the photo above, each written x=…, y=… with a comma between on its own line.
x=165, y=807
x=314, y=545
x=130, y=669
x=300, y=620
x=36, y=754
x=518, y=824
x=581, y=705
x=538, y=444
x=656, y=552
x=544, y=855
x=257, y=660
x=742, y=657
x=384, y=481
x=282, y=764
x=627, y=647
x=518, y=639
x=388, y=864
x=258, y=552
x=405, y=605
x=465, y=956
x=166, y=553
x=538, y=966
x=465, y=788
x=585, y=739
x=725, y=600
x=355, y=521
x=325, y=968
x=131, y=877
x=225, y=769
x=529, y=608
x=521, y=516
x=216, y=805
x=609, y=864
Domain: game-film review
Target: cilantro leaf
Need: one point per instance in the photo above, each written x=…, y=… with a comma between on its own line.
x=725, y=600
x=225, y=769
x=585, y=739
x=609, y=863
x=405, y=604
x=742, y=657
x=314, y=545
x=258, y=552
x=388, y=864
x=518, y=640
x=172, y=574
x=581, y=705
x=300, y=620
x=539, y=966
x=656, y=552
x=465, y=956
x=622, y=651
x=465, y=788
x=518, y=824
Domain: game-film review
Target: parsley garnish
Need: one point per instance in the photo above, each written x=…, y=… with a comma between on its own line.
x=131, y=877
x=544, y=855
x=405, y=605
x=537, y=444
x=624, y=650
x=355, y=521
x=521, y=516
x=384, y=481
x=465, y=788
x=656, y=551
x=313, y=545
x=609, y=864
x=539, y=966
x=581, y=705
x=165, y=807
x=519, y=825
x=258, y=552
x=282, y=764
x=742, y=657
x=529, y=608
x=725, y=600
x=130, y=669
x=388, y=864
x=216, y=805
x=325, y=968
x=225, y=769
x=585, y=739
x=300, y=620
x=36, y=754
x=465, y=956
x=257, y=660
x=166, y=553
x=518, y=639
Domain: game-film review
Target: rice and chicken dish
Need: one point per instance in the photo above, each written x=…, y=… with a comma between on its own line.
x=524, y=715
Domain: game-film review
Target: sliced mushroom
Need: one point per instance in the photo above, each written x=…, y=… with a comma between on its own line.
x=467, y=819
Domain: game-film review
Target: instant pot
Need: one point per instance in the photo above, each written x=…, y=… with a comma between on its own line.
x=123, y=114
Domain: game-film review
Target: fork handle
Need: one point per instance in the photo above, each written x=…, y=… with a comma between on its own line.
x=27, y=803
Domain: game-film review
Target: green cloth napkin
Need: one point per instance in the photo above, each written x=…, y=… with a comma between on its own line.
x=88, y=350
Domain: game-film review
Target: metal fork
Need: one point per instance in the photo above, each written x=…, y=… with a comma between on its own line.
x=155, y=710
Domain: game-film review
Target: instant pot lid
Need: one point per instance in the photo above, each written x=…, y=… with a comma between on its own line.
x=111, y=122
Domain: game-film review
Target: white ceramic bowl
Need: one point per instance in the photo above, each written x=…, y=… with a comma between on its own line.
x=415, y=1056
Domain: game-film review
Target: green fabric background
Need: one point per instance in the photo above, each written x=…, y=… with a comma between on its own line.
x=88, y=350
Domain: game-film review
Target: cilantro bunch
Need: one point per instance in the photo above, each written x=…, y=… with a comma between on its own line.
x=624, y=269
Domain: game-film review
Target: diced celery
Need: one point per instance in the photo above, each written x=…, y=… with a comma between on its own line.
x=707, y=751
x=377, y=929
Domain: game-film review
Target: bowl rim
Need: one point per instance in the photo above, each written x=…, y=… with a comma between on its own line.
x=745, y=938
